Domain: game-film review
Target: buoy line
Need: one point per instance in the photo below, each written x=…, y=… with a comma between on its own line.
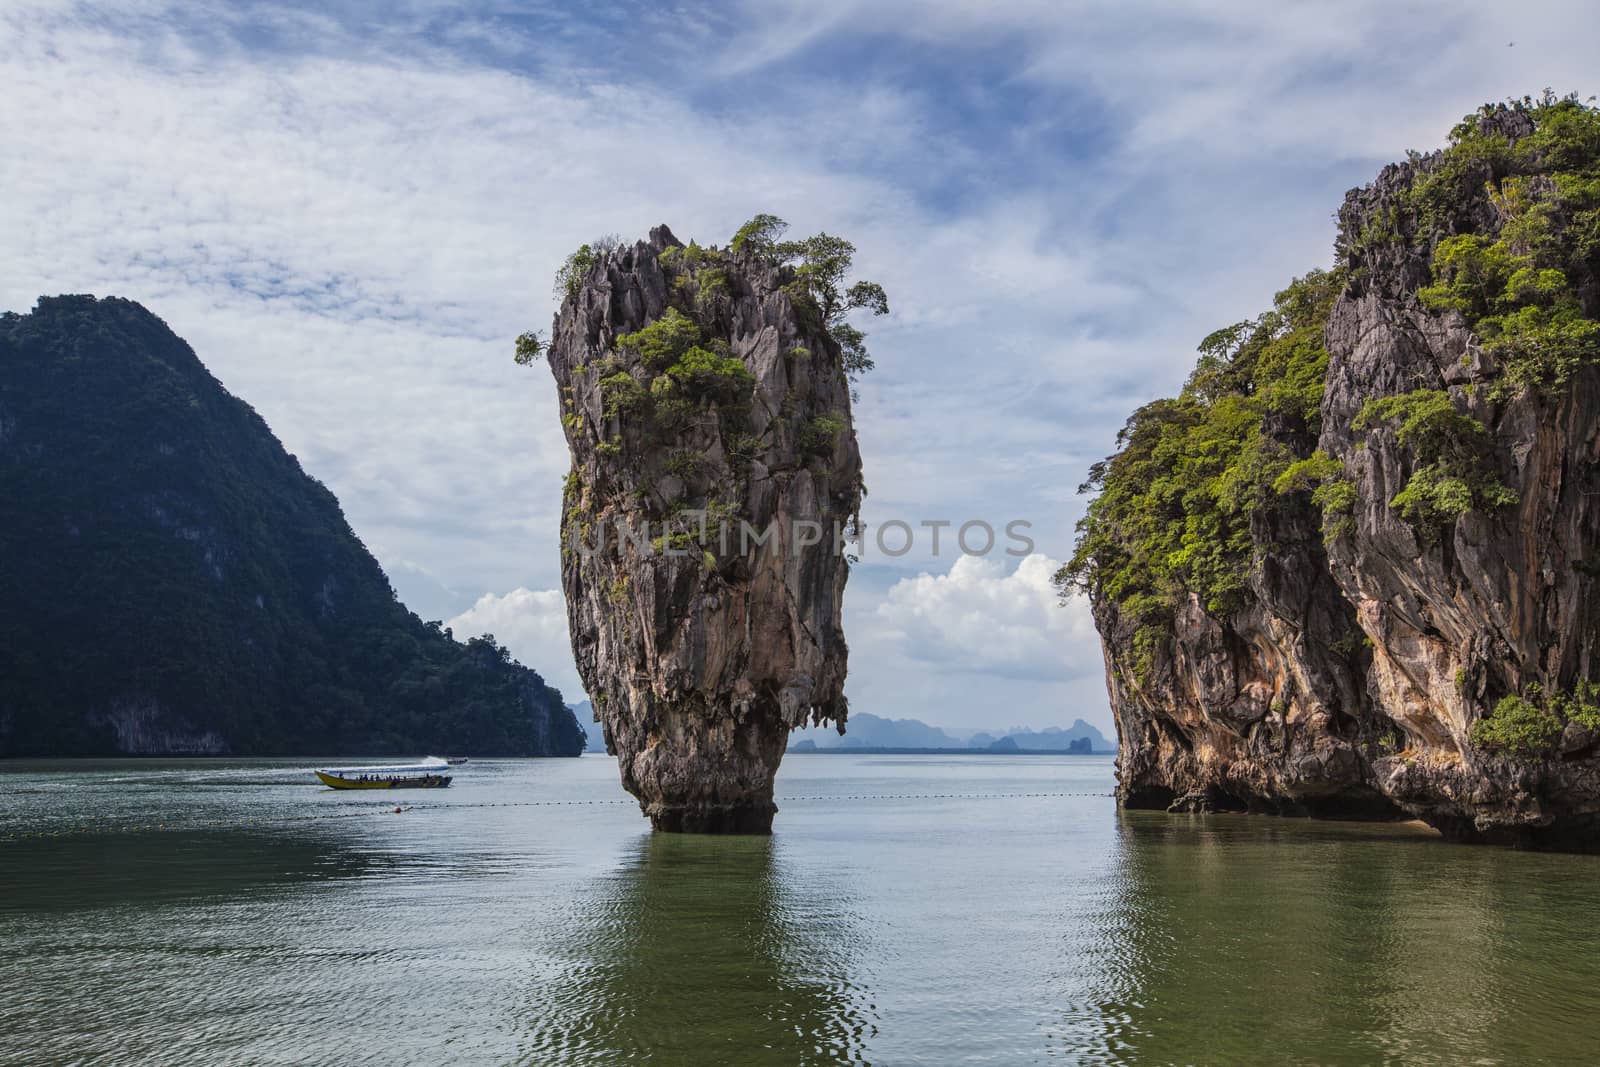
x=281, y=820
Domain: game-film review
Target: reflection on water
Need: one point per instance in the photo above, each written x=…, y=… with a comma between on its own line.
x=705, y=950
x=1235, y=939
x=155, y=947
x=982, y=910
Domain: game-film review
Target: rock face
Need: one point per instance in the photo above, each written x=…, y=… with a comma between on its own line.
x=714, y=472
x=1350, y=682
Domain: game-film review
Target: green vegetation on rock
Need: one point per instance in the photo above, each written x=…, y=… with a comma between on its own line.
x=1528, y=726
x=678, y=438
x=623, y=394
x=1521, y=288
x=576, y=267
x=1454, y=471
x=759, y=237
x=683, y=368
x=1173, y=511
x=712, y=373
x=1331, y=490
x=820, y=433
x=664, y=341
x=820, y=285
x=818, y=268
x=530, y=346
x=572, y=272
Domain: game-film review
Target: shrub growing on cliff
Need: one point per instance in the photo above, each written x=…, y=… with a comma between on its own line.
x=711, y=285
x=1583, y=705
x=664, y=341
x=530, y=346
x=578, y=265
x=671, y=409
x=819, y=434
x=1454, y=473
x=672, y=345
x=820, y=282
x=1522, y=728
x=1528, y=726
x=704, y=372
x=1527, y=289
x=1332, y=491
x=1428, y=422
x=622, y=394
x=1528, y=315
x=1172, y=514
x=759, y=236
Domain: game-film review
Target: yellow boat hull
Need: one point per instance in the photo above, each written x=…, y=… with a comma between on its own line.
x=431, y=781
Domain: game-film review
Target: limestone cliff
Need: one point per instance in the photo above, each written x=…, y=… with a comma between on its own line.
x=714, y=475
x=1409, y=626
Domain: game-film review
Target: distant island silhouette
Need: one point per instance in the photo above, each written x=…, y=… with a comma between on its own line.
x=872, y=734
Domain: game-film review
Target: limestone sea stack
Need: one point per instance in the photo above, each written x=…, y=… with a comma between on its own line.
x=715, y=480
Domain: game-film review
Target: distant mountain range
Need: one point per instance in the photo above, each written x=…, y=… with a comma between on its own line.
x=872, y=731
x=865, y=730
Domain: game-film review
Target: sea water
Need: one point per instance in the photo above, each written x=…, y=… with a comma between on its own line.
x=907, y=910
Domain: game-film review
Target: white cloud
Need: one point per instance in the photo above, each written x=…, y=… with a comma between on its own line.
x=532, y=623
x=1237, y=80
x=978, y=618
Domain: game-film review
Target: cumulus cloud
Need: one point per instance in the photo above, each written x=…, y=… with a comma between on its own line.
x=532, y=623
x=978, y=618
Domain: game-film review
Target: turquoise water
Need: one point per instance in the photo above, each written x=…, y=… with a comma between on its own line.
x=909, y=909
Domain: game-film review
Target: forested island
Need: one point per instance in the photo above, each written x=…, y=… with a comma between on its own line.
x=173, y=582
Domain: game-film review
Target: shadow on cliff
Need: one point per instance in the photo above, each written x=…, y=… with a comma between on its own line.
x=705, y=950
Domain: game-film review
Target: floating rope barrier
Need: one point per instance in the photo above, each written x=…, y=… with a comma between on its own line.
x=264, y=822
x=781, y=800
x=944, y=796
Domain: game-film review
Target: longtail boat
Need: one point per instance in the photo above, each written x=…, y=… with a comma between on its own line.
x=431, y=773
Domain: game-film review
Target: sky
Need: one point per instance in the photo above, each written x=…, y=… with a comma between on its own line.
x=350, y=210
